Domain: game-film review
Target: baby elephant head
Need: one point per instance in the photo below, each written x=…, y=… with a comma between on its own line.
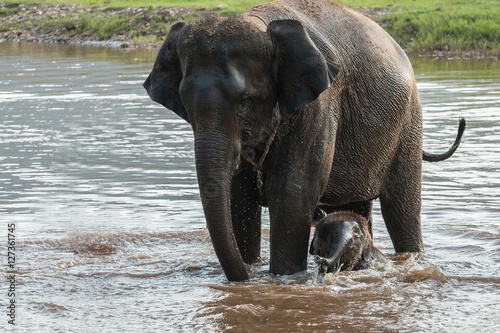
x=340, y=240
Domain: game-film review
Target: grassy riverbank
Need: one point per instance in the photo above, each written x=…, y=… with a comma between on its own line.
x=419, y=26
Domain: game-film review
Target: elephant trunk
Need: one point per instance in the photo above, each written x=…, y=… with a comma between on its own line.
x=340, y=244
x=216, y=158
x=333, y=261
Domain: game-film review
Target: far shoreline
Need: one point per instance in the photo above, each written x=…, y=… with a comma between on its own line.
x=129, y=45
x=77, y=25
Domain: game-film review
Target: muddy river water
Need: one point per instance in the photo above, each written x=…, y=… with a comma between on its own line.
x=101, y=186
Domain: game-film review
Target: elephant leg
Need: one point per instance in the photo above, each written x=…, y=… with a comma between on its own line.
x=292, y=205
x=246, y=213
x=400, y=204
x=363, y=208
x=290, y=229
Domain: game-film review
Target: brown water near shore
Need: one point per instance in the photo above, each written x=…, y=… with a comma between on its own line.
x=101, y=185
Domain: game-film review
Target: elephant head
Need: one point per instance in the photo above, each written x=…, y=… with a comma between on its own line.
x=340, y=240
x=235, y=84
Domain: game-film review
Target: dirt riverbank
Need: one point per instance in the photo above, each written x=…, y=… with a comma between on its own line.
x=129, y=27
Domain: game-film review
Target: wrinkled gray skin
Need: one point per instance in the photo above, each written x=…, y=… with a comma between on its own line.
x=341, y=97
x=342, y=241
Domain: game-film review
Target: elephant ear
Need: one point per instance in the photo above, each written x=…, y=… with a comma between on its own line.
x=312, y=248
x=164, y=80
x=302, y=71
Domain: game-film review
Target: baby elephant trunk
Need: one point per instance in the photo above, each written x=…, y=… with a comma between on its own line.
x=345, y=251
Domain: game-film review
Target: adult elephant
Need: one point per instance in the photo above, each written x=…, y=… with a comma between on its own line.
x=294, y=104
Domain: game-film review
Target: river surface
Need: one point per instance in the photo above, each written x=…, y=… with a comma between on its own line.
x=101, y=185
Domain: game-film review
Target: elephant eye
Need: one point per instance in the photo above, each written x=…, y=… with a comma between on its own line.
x=245, y=106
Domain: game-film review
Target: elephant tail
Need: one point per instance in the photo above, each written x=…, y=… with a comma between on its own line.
x=441, y=157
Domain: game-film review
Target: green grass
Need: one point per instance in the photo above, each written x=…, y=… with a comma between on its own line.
x=417, y=25
x=233, y=6
x=103, y=28
x=446, y=25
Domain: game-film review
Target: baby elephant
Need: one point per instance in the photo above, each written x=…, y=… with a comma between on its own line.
x=342, y=241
